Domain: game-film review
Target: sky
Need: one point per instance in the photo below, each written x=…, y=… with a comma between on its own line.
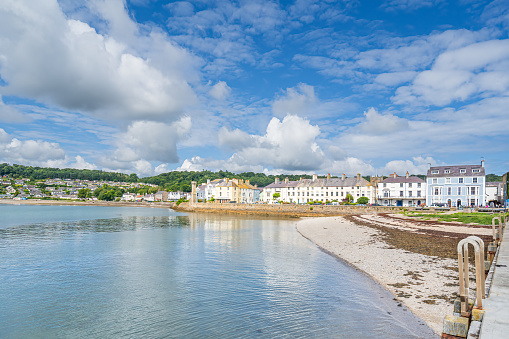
x=147, y=87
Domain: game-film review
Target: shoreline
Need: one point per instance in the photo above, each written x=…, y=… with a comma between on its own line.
x=87, y=203
x=426, y=284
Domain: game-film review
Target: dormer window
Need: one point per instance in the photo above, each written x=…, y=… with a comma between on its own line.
x=475, y=170
x=434, y=172
x=447, y=171
x=463, y=170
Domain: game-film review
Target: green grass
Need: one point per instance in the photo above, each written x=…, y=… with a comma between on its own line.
x=465, y=218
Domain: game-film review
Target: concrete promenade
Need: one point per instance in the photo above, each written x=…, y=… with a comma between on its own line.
x=496, y=319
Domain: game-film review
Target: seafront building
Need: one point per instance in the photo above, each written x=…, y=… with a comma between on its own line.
x=456, y=186
x=319, y=189
x=402, y=191
x=236, y=190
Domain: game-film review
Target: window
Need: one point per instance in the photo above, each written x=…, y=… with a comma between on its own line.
x=410, y=193
x=459, y=190
x=460, y=180
x=474, y=180
x=400, y=193
x=447, y=171
x=419, y=185
x=401, y=185
x=409, y=184
x=463, y=170
x=449, y=190
x=418, y=193
x=434, y=172
x=435, y=181
x=472, y=190
x=447, y=180
x=475, y=170
x=385, y=185
x=436, y=190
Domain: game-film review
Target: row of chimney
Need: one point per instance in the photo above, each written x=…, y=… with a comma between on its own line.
x=343, y=177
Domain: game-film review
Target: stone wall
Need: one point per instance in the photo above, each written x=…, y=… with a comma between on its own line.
x=285, y=209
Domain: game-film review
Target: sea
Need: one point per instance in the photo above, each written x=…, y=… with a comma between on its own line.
x=132, y=272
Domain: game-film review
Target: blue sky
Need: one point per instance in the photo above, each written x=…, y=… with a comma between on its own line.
x=276, y=87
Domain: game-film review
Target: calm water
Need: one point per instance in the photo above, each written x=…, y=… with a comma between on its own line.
x=100, y=272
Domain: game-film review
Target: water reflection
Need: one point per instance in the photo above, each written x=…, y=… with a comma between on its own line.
x=60, y=229
x=185, y=276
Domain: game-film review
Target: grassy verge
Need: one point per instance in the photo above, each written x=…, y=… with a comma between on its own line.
x=465, y=218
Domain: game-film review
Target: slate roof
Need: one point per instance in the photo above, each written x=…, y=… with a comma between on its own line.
x=454, y=171
x=322, y=182
x=402, y=179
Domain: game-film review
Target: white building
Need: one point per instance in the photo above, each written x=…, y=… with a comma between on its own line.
x=455, y=186
x=402, y=191
x=494, y=193
x=319, y=189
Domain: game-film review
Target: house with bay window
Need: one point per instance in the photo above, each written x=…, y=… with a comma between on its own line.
x=455, y=186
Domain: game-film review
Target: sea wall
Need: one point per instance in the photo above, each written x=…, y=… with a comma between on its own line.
x=286, y=210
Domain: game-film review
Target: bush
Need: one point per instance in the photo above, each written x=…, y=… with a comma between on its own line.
x=363, y=200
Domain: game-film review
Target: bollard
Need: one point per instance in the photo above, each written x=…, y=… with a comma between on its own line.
x=478, y=244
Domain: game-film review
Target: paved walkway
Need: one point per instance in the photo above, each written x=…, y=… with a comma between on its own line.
x=496, y=319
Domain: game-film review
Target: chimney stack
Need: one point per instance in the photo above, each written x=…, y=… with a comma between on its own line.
x=407, y=174
x=358, y=176
x=315, y=177
x=226, y=180
x=328, y=176
x=343, y=176
x=482, y=163
x=247, y=182
x=286, y=180
x=208, y=181
x=276, y=181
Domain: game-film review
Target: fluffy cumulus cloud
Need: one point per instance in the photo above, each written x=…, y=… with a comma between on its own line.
x=81, y=163
x=30, y=152
x=84, y=70
x=378, y=124
x=418, y=165
x=460, y=74
x=298, y=100
x=220, y=91
x=146, y=141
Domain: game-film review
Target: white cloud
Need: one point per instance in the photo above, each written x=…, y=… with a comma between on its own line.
x=236, y=139
x=10, y=114
x=31, y=152
x=378, y=124
x=81, y=163
x=84, y=70
x=418, y=165
x=298, y=101
x=457, y=75
x=220, y=91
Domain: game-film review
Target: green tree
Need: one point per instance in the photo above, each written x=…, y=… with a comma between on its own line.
x=348, y=198
x=363, y=200
x=276, y=195
x=84, y=193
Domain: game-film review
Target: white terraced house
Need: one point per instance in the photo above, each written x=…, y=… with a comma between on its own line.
x=402, y=191
x=456, y=186
x=319, y=189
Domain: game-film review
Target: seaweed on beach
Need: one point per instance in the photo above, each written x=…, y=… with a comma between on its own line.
x=428, y=242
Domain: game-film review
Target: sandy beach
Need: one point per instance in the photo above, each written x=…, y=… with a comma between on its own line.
x=426, y=284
